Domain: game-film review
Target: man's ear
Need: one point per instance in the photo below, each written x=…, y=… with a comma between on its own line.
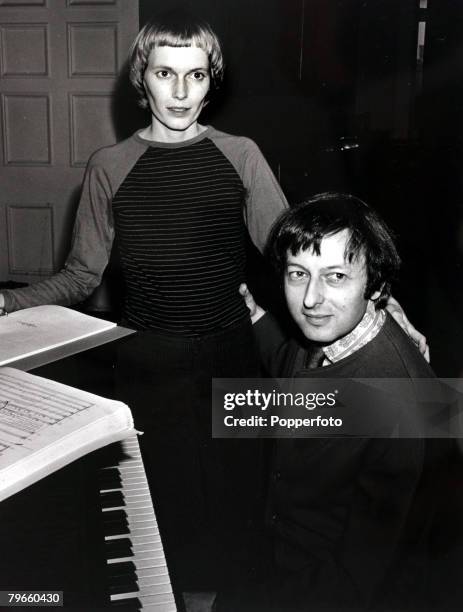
x=377, y=294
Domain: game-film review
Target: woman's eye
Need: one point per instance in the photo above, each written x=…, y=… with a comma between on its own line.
x=163, y=74
x=198, y=76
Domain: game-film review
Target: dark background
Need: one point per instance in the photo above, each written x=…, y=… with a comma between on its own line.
x=334, y=94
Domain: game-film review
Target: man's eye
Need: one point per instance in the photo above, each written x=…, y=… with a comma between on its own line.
x=296, y=275
x=163, y=74
x=336, y=278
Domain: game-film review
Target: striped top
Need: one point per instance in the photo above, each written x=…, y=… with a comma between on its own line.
x=179, y=221
x=179, y=212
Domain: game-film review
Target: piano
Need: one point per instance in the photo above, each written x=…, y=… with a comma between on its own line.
x=136, y=565
x=89, y=529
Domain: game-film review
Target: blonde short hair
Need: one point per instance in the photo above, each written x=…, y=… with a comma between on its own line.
x=174, y=30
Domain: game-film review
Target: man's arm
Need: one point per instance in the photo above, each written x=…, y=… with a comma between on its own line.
x=92, y=239
x=272, y=343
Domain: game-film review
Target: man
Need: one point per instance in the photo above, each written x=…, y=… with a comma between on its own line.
x=339, y=510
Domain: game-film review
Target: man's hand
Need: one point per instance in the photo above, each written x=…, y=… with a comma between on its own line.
x=255, y=311
x=396, y=310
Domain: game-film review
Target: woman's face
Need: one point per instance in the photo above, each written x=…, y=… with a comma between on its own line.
x=176, y=82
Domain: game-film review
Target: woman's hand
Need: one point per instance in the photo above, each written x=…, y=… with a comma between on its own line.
x=255, y=311
x=396, y=310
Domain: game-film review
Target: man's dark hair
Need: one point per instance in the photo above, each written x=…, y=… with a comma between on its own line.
x=303, y=228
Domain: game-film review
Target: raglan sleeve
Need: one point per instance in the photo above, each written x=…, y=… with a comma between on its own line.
x=91, y=245
x=265, y=200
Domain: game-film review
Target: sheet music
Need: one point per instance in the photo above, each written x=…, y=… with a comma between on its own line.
x=27, y=407
x=34, y=330
x=45, y=425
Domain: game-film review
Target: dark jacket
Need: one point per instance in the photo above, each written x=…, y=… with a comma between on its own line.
x=340, y=510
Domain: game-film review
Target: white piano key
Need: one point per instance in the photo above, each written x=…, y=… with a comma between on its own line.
x=155, y=589
x=158, y=603
x=150, y=568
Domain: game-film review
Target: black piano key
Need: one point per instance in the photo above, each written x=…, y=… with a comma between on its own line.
x=126, y=584
x=127, y=605
x=111, y=479
x=112, y=499
x=125, y=568
x=109, y=472
x=118, y=548
x=111, y=516
x=113, y=528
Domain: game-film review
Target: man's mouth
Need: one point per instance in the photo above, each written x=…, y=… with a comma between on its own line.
x=317, y=319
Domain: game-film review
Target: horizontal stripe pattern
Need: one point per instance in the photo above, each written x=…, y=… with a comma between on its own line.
x=181, y=236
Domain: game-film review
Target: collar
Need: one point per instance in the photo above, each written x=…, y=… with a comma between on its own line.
x=369, y=327
x=174, y=145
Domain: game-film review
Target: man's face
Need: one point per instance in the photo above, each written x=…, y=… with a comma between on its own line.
x=176, y=82
x=325, y=293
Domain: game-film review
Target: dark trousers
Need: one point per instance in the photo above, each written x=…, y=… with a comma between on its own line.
x=205, y=491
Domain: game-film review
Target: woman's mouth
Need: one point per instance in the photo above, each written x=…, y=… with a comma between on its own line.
x=178, y=110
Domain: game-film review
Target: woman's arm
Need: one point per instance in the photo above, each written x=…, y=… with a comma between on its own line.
x=395, y=309
x=255, y=311
x=91, y=246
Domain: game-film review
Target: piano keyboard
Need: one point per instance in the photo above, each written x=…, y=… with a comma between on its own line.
x=138, y=577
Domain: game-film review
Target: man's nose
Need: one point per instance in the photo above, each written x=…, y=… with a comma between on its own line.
x=313, y=294
x=180, y=89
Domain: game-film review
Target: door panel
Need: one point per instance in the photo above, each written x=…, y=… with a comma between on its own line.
x=60, y=62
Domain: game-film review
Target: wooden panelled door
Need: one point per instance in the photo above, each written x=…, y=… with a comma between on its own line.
x=60, y=61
